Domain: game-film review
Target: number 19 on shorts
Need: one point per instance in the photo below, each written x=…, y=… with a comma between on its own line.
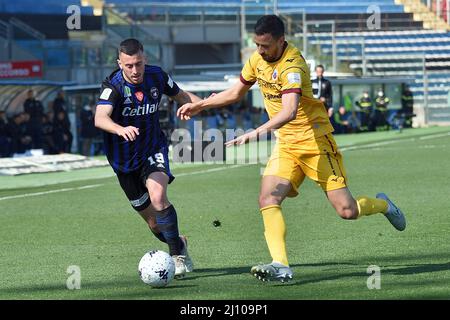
x=156, y=158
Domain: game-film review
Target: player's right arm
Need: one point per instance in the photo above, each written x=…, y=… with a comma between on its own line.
x=103, y=121
x=221, y=99
x=103, y=114
x=224, y=98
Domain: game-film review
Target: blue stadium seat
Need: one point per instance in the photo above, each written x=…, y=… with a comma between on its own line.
x=44, y=7
x=311, y=7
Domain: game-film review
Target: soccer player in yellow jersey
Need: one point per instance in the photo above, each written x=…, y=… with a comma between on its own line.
x=304, y=148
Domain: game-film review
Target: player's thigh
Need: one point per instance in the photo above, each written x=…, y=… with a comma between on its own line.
x=135, y=190
x=274, y=190
x=156, y=184
x=156, y=175
x=282, y=170
x=325, y=164
x=157, y=162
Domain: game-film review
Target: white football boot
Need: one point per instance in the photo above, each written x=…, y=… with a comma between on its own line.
x=394, y=214
x=187, y=261
x=180, y=267
x=272, y=271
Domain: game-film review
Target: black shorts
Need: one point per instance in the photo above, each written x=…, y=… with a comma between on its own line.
x=133, y=183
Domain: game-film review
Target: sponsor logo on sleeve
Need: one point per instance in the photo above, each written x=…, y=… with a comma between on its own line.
x=294, y=77
x=105, y=94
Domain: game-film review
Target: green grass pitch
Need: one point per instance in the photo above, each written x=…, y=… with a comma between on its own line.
x=95, y=229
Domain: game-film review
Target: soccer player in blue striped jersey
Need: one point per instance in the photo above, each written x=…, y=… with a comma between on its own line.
x=136, y=148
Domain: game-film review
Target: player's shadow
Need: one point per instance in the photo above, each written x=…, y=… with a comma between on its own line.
x=391, y=269
x=121, y=288
x=216, y=272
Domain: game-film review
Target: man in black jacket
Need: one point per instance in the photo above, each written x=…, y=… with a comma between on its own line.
x=35, y=109
x=322, y=88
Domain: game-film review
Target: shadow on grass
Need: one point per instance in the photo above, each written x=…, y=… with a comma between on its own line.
x=129, y=287
x=393, y=269
x=106, y=289
x=217, y=272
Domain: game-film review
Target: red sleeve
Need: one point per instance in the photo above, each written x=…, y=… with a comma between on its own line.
x=247, y=83
x=293, y=90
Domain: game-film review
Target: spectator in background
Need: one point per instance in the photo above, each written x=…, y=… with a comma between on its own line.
x=5, y=139
x=61, y=133
x=331, y=117
x=88, y=131
x=348, y=102
x=322, y=88
x=365, y=107
x=345, y=122
x=407, y=110
x=340, y=121
x=59, y=104
x=48, y=133
x=381, y=105
x=35, y=109
x=21, y=141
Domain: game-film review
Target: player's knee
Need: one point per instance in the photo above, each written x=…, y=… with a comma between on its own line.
x=159, y=200
x=348, y=212
x=268, y=200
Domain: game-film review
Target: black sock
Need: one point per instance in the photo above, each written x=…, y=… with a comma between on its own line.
x=159, y=235
x=168, y=224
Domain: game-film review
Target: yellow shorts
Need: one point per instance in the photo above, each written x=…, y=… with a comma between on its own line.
x=319, y=159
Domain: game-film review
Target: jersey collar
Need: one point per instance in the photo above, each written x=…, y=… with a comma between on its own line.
x=285, y=45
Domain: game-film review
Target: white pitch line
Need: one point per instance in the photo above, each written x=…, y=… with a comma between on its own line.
x=211, y=170
x=375, y=144
x=433, y=136
x=382, y=143
x=99, y=185
x=48, y=192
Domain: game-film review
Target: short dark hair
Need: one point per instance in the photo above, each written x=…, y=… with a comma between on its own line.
x=321, y=67
x=270, y=24
x=130, y=47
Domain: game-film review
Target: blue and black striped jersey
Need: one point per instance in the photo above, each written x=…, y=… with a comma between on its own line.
x=135, y=105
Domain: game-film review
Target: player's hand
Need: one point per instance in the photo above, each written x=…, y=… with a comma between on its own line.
x=242, y=139
x=128, y=133
x=187, y=111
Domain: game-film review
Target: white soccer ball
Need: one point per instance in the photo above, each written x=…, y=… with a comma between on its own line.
x=156, y=268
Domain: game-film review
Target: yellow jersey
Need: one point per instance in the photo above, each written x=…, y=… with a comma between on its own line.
x=288, y=74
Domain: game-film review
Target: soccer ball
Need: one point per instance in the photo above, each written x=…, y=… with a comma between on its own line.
x=156, y=268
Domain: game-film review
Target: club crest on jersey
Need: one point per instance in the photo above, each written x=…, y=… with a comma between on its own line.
x=154, y=93
x=139, y=95
x=275, y=75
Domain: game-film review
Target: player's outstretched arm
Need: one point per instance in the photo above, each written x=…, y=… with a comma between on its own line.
x=184, y=97
x=221, y=99
x=103, y=121
x=288, y=113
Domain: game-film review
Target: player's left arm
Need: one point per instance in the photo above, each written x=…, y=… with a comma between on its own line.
x=290, y=102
